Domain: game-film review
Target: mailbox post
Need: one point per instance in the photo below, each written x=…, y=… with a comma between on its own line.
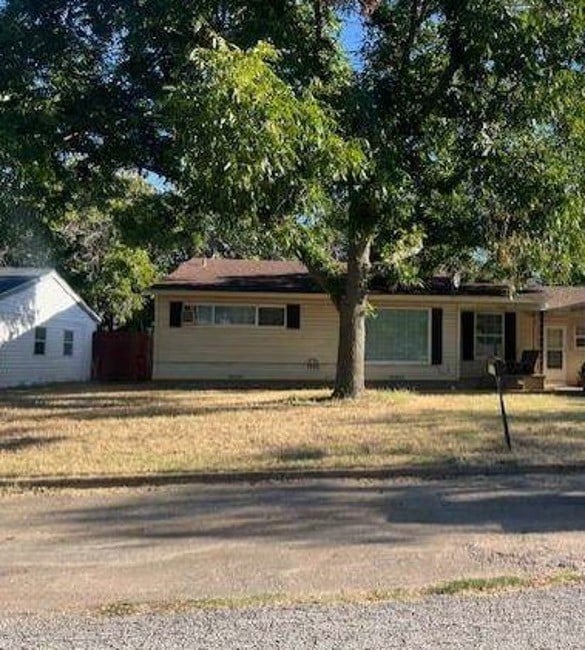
x=495, y=368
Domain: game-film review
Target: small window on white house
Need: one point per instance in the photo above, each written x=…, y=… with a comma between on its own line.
x=580, y=336
x=271, y=316
x=489, y=335
x=40, y=340
x=68, y=343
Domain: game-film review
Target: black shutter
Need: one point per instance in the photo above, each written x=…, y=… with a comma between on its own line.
x=437, y=337
x=293, y=317
x=467, y=335
x=510, y=336
x=175, y=314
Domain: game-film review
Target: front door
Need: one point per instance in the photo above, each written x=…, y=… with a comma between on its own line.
x=555, y=362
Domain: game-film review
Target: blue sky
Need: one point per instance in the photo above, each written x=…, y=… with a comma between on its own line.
x=352, y=36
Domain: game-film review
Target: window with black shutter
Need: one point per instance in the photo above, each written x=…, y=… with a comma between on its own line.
x=293, y=317
x=175, y=314
x=510, y=336
x=467, y=335
x=437, y=337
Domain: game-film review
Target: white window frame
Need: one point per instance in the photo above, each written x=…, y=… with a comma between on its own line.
x=475, y=333
x=579, y=338
x=71, y=343
x=42, y=340
x=215, y=324
x=393, y=362
x=194, y=305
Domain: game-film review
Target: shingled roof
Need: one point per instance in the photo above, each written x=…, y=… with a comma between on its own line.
x=563, y=297
x=218, y=274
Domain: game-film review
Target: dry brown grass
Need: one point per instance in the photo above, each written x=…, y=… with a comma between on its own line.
x=116, y=429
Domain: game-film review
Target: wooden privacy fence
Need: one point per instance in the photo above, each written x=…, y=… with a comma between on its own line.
x=122, y=356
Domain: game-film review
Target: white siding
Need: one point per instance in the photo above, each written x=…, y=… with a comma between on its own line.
x=47, y=304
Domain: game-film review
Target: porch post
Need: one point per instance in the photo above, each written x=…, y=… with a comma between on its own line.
x=541, y=342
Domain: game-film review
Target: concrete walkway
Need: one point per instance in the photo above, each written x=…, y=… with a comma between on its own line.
x=71, y=550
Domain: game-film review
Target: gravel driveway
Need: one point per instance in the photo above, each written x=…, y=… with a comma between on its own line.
x=532, y=619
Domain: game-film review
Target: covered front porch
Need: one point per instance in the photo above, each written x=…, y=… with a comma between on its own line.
x=557, y=332
x=541, y=348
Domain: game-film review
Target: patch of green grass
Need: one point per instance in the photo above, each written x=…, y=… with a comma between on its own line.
x=565, y=578
x=123, y=608
x=468, y=586
x=501, y=583
x=478, y=585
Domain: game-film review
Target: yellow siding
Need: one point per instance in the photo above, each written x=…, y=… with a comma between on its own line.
x=242, y=352
x=256, y=353
x=528, y=332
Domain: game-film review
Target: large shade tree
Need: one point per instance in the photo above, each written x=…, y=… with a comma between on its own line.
x=454, y=142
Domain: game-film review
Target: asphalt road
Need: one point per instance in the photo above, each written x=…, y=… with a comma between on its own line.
x=536, y=619
x=78, y=550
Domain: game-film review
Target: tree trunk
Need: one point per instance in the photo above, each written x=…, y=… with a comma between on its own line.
x=350, y=375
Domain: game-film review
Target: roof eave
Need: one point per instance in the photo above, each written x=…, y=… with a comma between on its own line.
x=79, y=301
x=185, y=288
x=571, y=307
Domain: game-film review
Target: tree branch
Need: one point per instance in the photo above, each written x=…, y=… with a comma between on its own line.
x=417, y=15
x=369, y=7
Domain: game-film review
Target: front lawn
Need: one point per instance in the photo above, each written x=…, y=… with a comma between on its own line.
x=116, y=429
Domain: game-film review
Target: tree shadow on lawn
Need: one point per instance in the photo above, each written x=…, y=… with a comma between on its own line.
x=12, y=443
x=127, y=407
x=561, y=431
x=336, y=512
x=439, y=416
x=88, y=402
x=90, y=392
x=449, y=422
x=85, y=404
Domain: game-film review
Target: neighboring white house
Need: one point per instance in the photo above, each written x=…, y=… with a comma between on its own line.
x=45, y=329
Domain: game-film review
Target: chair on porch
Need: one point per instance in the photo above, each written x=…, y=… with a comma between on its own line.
x=525, y=366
